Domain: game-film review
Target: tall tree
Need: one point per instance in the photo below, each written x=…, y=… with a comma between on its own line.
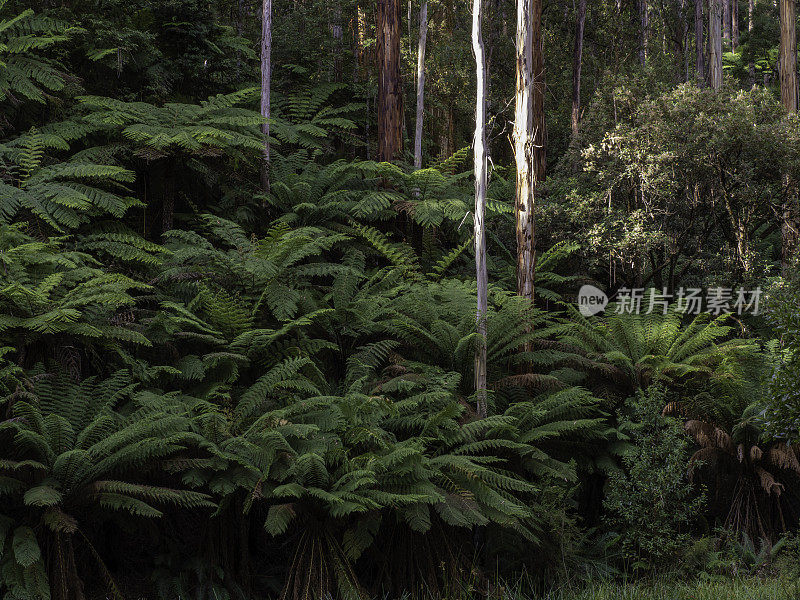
x=577, y=63
x=734, y=24
x=700, y=53
x=751, y=8
x=726, y=20
x=423, y=35
x=479, y=151
x=715, y=43
x=537, y=95
x=789, y=98
x=266, y=76
x=390, y=89
x=644, y=26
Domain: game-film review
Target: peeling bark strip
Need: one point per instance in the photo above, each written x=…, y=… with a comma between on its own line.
x=523, y=136
x=423, y=34
x=715, y=43
x=390, y=91
x=577, y=64
x=479, y=151
x=266, y=74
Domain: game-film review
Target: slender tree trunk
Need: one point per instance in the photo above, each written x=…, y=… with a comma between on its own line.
x=644, y=26
x=266, y=75
x=423, y=35
x=336, y=33
x=789, y=99
x=577, y=63
x=537, y=95
x=751, y=8
x=715, y=43
x=390, y=90
x=479, y=148
x=726, y=20
x=734, y=24
x=700, y=55
x=523, y=136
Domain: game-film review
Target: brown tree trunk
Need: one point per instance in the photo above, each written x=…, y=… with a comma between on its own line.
x=479, y=151
x=577, y=63
x=715, y=43
x=734, y=24
x=750, y=24
x=789, y=93
x=644, y=26
x=390, y=91
x=266, y=75
x=726, y=20
x=700, y=55
x=423, y=35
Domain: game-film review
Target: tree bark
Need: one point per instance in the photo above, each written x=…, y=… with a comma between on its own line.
x=336, y=33
x=479, y=151
x=644, y=25
x=577, y=63
x=537, y=95
x=789, y=93
x=390, y=90
x=523, y=137
x=726, y=20
x=715, y=43
x=734, y=24
x=266, y=75
x=423, y=35
x=700, y=55
x=751, y=8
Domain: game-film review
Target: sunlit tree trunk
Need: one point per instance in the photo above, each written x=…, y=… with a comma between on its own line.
x=266, y=75
x=715, y=43
x=479, y=147
x=734, y=24
x=523, y=137
x=700, y=55
x=390, y=91
x=788, y=80
x=423, y=34
x=577, y=63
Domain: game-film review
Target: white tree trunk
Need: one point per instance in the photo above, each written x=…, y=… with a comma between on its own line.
x=523, y=149
x=423, y=34
x=266, y=75
x=480, y=204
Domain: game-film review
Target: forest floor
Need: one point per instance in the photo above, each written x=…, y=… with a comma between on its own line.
x=734, y=589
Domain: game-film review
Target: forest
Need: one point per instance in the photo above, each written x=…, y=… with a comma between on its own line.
x=383, y=299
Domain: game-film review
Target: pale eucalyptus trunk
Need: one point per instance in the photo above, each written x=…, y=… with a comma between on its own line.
x=523, y=137
x=479, y=151
x=423, y=35
x=700, y=55
x=789, y=98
